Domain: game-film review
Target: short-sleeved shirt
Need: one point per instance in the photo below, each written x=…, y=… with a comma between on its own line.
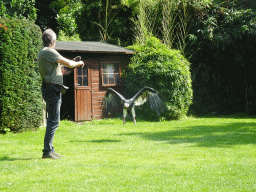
x=49, y=69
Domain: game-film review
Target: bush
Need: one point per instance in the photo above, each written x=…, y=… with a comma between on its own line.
x=20, y=96
x=164, y=70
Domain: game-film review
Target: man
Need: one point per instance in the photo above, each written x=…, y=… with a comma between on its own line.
x=50, y=63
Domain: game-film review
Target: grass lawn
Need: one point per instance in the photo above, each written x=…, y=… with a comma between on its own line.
x=195, y=154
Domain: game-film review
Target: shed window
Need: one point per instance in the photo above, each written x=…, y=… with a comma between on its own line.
x=110, y=74
x=82, y=76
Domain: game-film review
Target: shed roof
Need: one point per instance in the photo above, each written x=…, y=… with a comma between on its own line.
x=90, y=47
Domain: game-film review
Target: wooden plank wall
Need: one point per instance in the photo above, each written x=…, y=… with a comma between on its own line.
x=97, y=90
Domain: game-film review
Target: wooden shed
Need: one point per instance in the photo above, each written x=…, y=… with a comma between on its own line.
x=103, y=66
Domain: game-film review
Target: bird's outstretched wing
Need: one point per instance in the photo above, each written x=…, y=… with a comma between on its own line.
x=152, y=96
x=111, y=99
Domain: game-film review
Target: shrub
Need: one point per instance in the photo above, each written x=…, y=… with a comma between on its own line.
x=20, y=96
x=164, y=70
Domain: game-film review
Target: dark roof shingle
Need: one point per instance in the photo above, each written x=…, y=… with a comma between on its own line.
x=90, y=46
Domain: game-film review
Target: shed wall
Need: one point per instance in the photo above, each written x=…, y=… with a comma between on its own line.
x=98, y=91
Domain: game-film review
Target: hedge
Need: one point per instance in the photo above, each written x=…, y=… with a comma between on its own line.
x=20, y=95
x=165, y=70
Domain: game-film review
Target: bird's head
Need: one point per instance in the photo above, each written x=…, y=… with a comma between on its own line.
x=126, y=105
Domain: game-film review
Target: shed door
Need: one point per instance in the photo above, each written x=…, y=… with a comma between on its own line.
x=83, y=94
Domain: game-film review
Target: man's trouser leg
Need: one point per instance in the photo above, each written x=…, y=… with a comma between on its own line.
x=53, y=104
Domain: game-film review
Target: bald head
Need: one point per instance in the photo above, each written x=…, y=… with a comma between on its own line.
x=49, y=38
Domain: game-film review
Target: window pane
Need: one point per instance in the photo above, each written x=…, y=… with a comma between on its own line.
x=79, y=81
x=79, y=71
x=85, y=72
x=105, y=69
x=110, y=68
x=105, y=79
x=117, y=78
x=110, y=73
x=111, y=81
x=116, y=68
x=85, y=81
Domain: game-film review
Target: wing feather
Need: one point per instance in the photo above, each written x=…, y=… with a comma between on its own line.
x=111, y=99
x=152, y=96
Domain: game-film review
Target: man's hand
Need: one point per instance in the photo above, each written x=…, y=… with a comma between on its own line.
x=81, y=64
x=78, y=59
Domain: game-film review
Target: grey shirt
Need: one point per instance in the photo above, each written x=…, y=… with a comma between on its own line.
x=49, y=69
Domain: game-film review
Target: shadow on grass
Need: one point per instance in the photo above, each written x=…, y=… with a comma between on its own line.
x=100, y=141
x=206, y=136
x=7, y=158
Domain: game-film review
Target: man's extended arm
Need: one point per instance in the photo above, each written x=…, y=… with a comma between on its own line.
x=70, y=63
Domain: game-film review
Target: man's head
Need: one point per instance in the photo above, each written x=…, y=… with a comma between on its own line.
x=49, y=38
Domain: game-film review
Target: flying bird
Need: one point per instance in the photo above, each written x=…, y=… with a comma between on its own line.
x=113, y=98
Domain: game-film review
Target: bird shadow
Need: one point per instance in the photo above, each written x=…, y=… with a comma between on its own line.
x=224, y=135
x=99, y=141
x=7, y=158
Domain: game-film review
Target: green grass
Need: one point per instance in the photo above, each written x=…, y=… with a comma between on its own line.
x=195, y=154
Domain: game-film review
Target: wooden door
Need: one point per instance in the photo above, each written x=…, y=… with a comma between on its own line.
x=83, y=93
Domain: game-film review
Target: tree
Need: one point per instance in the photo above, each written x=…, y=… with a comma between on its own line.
x=224, y=58
x=105, y=20
x=18, y=8
x=46, y=15
x=169, y=21
x=66, y=17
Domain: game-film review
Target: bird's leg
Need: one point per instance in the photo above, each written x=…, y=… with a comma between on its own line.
x=125, y=114
x=133, y=115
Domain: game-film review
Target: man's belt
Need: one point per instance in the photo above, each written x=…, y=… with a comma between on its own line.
x=57, y=87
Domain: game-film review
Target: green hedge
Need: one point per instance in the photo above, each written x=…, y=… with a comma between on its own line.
x=20, y=95
x=164, y=70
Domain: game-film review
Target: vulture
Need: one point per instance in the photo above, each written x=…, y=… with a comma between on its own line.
x=153, y=97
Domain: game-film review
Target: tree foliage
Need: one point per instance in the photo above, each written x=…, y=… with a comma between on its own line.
x=223, y=59
x=164, y=70
x=46, y=15
x=68, y=11
x=105, y=20
x=18, y=8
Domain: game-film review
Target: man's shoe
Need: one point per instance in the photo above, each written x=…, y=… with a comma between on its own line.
x=57, y=155
x=50, y=156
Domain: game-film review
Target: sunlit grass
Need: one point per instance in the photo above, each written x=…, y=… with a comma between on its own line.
x=195, y=154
